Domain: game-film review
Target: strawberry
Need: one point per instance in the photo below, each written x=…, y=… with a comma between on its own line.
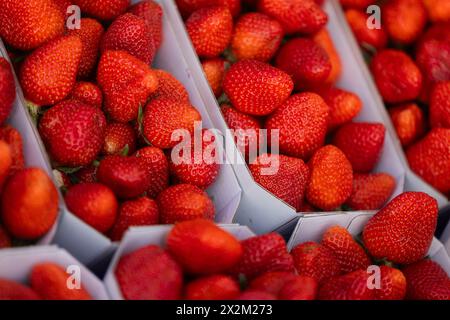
x=272, y=282
x=149, y=273
x=215, y=287
x=315, y=260
x=367, y=38
x=393, y=284
x=402, y=231
x=164, y=118
x=48, y=74
x=408, y=121
x=187, y=7
x=86, y=174
x=62, y=6
x=305, y=61
x=256, y=88
x=397, y=77
x=296, y=16
x=310, y=113
x=151, y=12
x=256, y=295
x=127, y=82
x=169, y=87
x=88, y=93
x=440, y=105
x=139, y=212
x=11, y=290
x=256, y=37
x=184, y=202
x=14, y=140
x=126, y=176
x=261, y=254
x=351, y=286
x=438, y=10
x=214, y=70
x=27, y=25
x=284, y=176
x=427, y=281
x=349, y=254
x=5, y=161
x=62, y=179
x=7, y=90
x=430, y=158
x=201, y=247
x=210, y=30
x=357, y=4
x=103, y=9
x=323, y=39
x=94, y=203
x=370, y=191
x=361, y=143
x=300, y=288
x=73, y=132
x=5, y=239
x=158, y=168
x=130, y=33
x=29, y=204
x=331, y=178
x=90, y=34
x=119, y=136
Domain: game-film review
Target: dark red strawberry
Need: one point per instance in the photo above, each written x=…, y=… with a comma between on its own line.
x=169, y=87
x=215, y=287
x=88, y=93
x=440, y=105
x=5, y=239
x=11, y=290
x=352, y=286
x=158, y=167
x=87, y=174
x=7, y=89
x=152, y=14
x=103, y=9
x=255, y=295
x=272, y=282
x=300, y=288
x=119, y=137
x=357, y=4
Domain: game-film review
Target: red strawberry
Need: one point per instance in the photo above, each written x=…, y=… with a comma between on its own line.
x=88, y=93
x=184, y=202
x=5, y=161
x=126, y=82
x=393, y=284
x=284, y=176
x=438, y=10
x=62, y=180
x=430, y=158
x=215, y=287
x=316, y=261
x=214, y=70
x=323, y=39
x=73, y=132
x=296, y=16
x=201, y=247
x=169, y=87
x=361, y=143
x=397, y=77
x=158, y=168
x=370, y=191
x=352, y=286
x=367, y=38
x=14, y=140
x=48, y=74
x=119, y=136
x=103, y=9
x=140, y=212
x=358, y=4
x=265, y=253
x=256, y=36
x=152, y=14
x=90, y=34
x=149, y=273
x=427, y=281
x=93, y=203
x=440, y=105
x=272, y=282
x=403, y=230
x=408, y=121
x=7, y=89
x=187, y=7
x=62, y=6
x=87, y=174
x=331, y=178
x=165, y=117
x=210, y=30
x=300, y=288
x=5, y=239
x=11, y=290
x=27, y=25
x=256, y=295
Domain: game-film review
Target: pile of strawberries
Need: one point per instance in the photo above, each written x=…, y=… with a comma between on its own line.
x=410, y=61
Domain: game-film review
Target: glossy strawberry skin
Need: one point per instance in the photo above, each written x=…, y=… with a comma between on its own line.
x=408, y=121
x=89, y=93
x=440, y=105
x=7, y=89
x=158, y=167
x=11, y=290
x=104, y=10
x=373, y=38
x=215, y=287
x=152, y=14
x=119, y=136
x=352, y=286
x=393, y=284
x=214, y=70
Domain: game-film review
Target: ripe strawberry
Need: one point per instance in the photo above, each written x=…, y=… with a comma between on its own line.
x=184, y=202
x=351, y=286
x=187, y=7
x=370, y=191
x=86, y=174
x=158, y=168
x=408, y=121
x=357, y=4
x=427, y=281
x=397, y=77
x=62, y=6
x=393, y=284
x=88, y=93
x=316, y=261
x=139, y=212
x=296, y=16
x=438, y=10
x=430, y=158
x=215, y=287
x=126, y=82
x=305, y=61
x=11, y=290
x=5, y=161
x=214, y=70
x=29, y=204
x=210, y=30
x=440, y=105
x=119, y=136
x=349, y=254
x=300, y=288
x=27, y=25
x=256, y=37
x=201, y=247
x=149, y=273
x=103, y=9
x=5, y=239
x=256, y=88
x=13, y=138
x=73, y=132
x=403, y=230
x=261, y=254
x=256, y=295
x=62, y=179
x=90, y=34
x=48, y=74
x=284, y=176
x=7, y=89
x=152, y=14
x=331, y=178
x=165, y=117
x=323, y=39
x=361, y=143
x=367, y=38
x=272, y=282
x=126, y=176
x=169, y=87
x=310, y=113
